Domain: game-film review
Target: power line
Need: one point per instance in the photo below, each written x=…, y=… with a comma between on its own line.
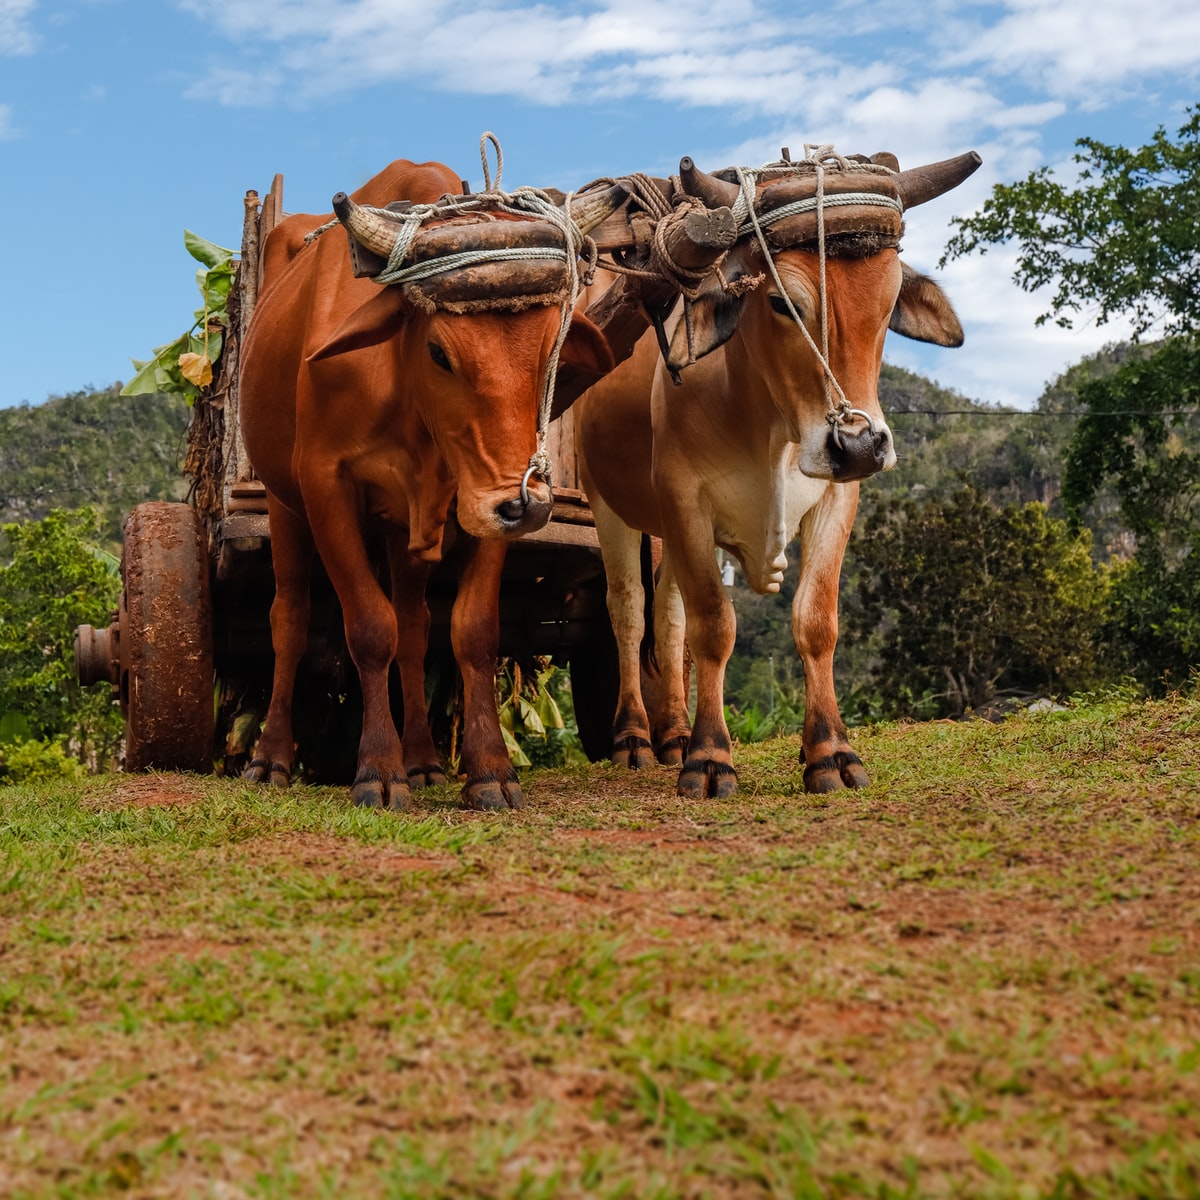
x=983, y=412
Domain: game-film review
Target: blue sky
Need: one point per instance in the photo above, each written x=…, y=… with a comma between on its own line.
x=122, y=122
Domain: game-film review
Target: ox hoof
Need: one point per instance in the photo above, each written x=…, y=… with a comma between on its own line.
x=487, y=793
x=369, y=790
x=705, y=779
x=261, y=770
x=431, y=776
x=841, y=770
x=672, y=752
x=632, y=751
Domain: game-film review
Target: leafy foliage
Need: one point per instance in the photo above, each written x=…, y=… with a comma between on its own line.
x=43, y=761
x=51, y=580
x=185, y=365
x=1122, y=241
x=1139, y=435
x=535, y=729
x=962, y=602
x=94, y=448
x=1126, y=239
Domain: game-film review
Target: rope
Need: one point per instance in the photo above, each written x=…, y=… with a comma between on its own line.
x=815, y=162
x=523, y=202
x=662, y=265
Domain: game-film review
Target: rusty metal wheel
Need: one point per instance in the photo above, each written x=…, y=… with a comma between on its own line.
x=165, y=641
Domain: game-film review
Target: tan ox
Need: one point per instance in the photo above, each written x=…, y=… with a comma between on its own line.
x=367, y=411
x=746, y=451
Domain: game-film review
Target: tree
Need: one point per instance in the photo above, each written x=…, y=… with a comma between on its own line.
x=1125, y=239
x=962, y=602
x=52, y=580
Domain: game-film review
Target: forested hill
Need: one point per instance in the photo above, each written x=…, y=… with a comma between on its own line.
x=94, y=448
x=112, y=452
x=944, y=439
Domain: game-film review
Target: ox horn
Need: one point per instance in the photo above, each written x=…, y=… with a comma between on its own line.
x=715, y=193
x=592, y=208
x=372, y=231
x=919, y=184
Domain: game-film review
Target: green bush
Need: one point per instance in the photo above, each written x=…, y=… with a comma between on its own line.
x=37, y=761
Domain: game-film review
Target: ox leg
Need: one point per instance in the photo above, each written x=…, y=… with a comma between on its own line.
x=475, y=634
x=829, y=762
x=672, y=730
x=620, y=547
x=370, y=621
x=409, y=576
x=708, y=769
x=291, y=557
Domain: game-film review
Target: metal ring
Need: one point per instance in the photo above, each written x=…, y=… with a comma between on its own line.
x=858, y=412
x=525, y=484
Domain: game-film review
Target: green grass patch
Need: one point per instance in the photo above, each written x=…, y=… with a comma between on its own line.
x=978, y=977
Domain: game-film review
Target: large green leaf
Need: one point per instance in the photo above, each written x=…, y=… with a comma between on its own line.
x=202, y=250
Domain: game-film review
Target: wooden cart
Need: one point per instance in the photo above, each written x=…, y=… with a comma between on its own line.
x=198, y=585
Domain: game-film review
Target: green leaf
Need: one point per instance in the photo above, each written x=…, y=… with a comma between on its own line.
x=530, y=721
x=547, y=708
x=518, y=756
x=201, y=249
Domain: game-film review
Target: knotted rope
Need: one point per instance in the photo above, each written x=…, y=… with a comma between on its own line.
x=816, y=162
x=660, y=213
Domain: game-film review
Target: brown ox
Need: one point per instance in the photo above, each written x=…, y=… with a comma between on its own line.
x=360, y=412
x=740, y=456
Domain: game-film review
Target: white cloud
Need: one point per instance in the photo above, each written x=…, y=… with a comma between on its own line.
x=1007, y=358
x=925, y=82
x=7, y=129
x=1072, y=47
x=16, y=32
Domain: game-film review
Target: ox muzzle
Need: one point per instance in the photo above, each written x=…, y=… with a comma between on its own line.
x=858, y=451
x=526, y=512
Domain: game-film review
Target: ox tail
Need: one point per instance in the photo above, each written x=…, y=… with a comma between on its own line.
x=649, y=660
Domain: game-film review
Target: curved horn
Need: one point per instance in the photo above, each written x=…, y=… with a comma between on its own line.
x=715, y=193
x=592, y=208
x=919, y=184
x=372, y=231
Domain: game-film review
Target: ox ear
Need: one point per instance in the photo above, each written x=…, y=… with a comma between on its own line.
x=923, y=313
x=710, y=320
x=369, y=324
x=585, y=358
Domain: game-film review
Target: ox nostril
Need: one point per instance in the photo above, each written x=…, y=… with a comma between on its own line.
x=510, y=511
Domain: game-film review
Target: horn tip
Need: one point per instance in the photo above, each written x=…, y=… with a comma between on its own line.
x=341, y=204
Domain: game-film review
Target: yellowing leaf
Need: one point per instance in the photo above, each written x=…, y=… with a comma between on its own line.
x=196, y=368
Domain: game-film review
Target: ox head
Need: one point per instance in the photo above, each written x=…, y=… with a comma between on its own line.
x=867, y=291
x=468, y=350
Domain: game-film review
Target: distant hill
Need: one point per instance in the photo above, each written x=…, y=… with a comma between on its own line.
x=94, y=448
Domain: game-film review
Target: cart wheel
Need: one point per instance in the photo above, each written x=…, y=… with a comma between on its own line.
x=595, y=684
x=166, y=652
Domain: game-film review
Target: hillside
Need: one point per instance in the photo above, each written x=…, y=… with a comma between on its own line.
x=94, y=448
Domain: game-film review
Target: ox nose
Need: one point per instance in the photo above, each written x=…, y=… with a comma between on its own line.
x=858, y=453
x=525, y=514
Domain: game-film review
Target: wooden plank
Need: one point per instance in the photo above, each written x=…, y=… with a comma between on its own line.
x=559, y=534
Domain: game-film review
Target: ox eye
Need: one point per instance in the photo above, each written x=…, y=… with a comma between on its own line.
x=780, y=305
x=439, y=356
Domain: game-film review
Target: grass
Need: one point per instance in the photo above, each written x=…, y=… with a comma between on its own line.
x=980, y=977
